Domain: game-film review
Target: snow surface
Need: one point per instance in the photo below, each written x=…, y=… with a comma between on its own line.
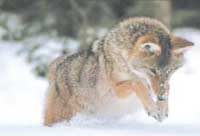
x=22, y=102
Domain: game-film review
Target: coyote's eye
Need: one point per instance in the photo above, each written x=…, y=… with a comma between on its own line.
x=153, y=71
x=147, y=46
x=151, y=48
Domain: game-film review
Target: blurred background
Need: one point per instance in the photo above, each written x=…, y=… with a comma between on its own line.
x=77, y=23
x=34, y=32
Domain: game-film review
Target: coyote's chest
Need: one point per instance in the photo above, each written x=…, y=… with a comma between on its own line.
x=114, y=106
x=107, y=103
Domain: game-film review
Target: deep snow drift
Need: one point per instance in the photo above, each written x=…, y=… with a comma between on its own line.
x=22, y=99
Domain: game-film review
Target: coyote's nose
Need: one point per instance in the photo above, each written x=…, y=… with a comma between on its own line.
x=164, y=92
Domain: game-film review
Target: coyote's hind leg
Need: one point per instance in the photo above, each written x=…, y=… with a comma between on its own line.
x=57, y=108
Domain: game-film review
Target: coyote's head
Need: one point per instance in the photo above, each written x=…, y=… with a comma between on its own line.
x=145, y=49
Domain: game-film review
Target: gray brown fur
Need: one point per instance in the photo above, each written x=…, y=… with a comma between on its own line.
x=81, y=82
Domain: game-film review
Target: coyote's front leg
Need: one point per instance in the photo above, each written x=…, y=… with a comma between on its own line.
x=163, y=107
x=142, y=91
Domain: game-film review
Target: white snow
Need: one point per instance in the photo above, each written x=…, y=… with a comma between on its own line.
x=22, y=102
x=21, y=93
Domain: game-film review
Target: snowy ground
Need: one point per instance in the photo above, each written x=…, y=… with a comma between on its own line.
x=22, y=96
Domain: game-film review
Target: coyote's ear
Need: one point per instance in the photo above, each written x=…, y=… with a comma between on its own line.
x=180, y=45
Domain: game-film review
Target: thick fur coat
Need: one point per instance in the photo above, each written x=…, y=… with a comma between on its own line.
x=137, y=56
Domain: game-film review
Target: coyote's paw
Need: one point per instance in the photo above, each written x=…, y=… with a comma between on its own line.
x=163, y=109
x=157, y=114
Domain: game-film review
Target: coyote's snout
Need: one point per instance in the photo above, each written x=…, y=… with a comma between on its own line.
x=137, y=56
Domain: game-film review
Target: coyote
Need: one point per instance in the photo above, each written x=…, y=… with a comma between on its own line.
x=137, y=56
